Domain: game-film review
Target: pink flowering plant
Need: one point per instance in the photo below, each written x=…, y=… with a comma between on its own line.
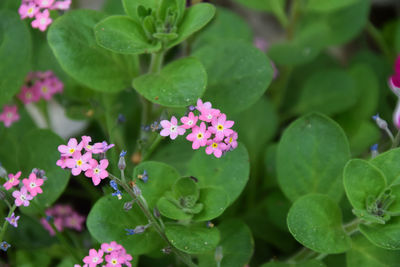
x=181, y=133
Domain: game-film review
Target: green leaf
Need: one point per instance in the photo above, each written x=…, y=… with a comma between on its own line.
x=302, y=49
x=131, y=6
x=121, y=34
x=311, y=155
x=72, y=39
x=171, y=210
x=161, y=178
x=386, y=235
x=237, y=245
x=178, y=84
x=328, y=5
x=229, y=173
x=387, y=162
x=364, y=253
x=215, y=201
x=15, y=54
x=238, y=74
x=315, y=221
x=362, y=180
x=185, y=187
x=193, y=239
x=329, y=91
x=309, y=263
x=107, y=222
x=44, y=142
x=221, y=28
x=9, y=152
x=195, y=18
x=263, y=5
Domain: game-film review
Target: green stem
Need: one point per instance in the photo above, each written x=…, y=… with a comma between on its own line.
x=5, y=224
x=380, y=41
x=396, y=141
x=182, y=256
x=156, y=62
x=152, y=147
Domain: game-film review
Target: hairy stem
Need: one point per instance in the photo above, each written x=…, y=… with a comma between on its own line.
x=5, y=224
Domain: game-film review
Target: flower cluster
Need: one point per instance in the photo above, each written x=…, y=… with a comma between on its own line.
x=9, y=115
x=63, y=216
x=213, y=132
x=40, y=85
x=112, y=253
x=39, y=10
x=78, y=157
x=394, y=84
x=30, y=188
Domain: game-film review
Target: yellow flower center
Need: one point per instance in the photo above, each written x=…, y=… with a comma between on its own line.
x=214, y=145
x=114, y=261
x=11, y=180
x=220, y=127
x=44, y=88
x=230, y=140
x=28, y=95
x=71, y=150
x=79, y=162
x=30, y=10
x=110, y=249
x=9, y=115
x=199, y=136
x=96, y=170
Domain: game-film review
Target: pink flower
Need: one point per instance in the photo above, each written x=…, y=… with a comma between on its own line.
x=33, y=184
x=28, y=10
x=95, y=149
x=75, y=221
x=97, y=171
x=62, y=162
x=105, y=147
x=45, y=89
x=189, y=121
x=231, y=141
x=56, y=85
x=9, y=115
x=209, y=114
x=394, y=84
x=200, y=106
x=61, y=5
x=114, y=260
x=13, y=220
x=220, y=127
x=94, y=258
x=12, y=180
x=199, y=136
x=79, y=162
x=171, y=128
x=22, y=197
x=215, y=147
x=28, y=95
x=113, y=246
x=42, y=20
x=44, y=3
x=70, y=149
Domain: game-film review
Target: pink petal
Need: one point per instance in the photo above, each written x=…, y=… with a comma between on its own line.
x=165, y=124
x=164, y=132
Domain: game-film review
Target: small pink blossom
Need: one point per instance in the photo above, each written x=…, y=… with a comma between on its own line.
x=28, y=95
x=113, y=246
x=9, y=115
x=171, y=128
x=62, y=162
x=209, y=114
x=45, y=89
x=97, y=171
x=189, y=121
x=95, y=149
x=33, y=184
x=199, y=136
x=200, y=106
x=61, y=5
x=44, y=3
x=70, y=148
x=215, y=147
x=114, y=260
x=13, y=220
x=42, y=20
x=105, y=146
x=75, y=221
x=231, y=140
x=220, y=127
x=79, y=162
x=95, y=257
x=28, y=10
x=12, y=180
x=56, y=85
x=22, y=197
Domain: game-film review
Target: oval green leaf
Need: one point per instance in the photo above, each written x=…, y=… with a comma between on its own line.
x=215, y=201
x=178, y=84
x=388, y=163
x=238, y=74
x=108, y=220
x=315, y=221
x=311, y=155
x=121, y=34
x=15, y=54
x=386, y=236
x=193, y=239
x=72, y=39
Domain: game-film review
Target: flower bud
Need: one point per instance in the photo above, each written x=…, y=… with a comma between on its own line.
x=128, y=205
x=380, y=122
x=374, y=151
x=137, y=191
x=121, y=162
x=156, y=213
